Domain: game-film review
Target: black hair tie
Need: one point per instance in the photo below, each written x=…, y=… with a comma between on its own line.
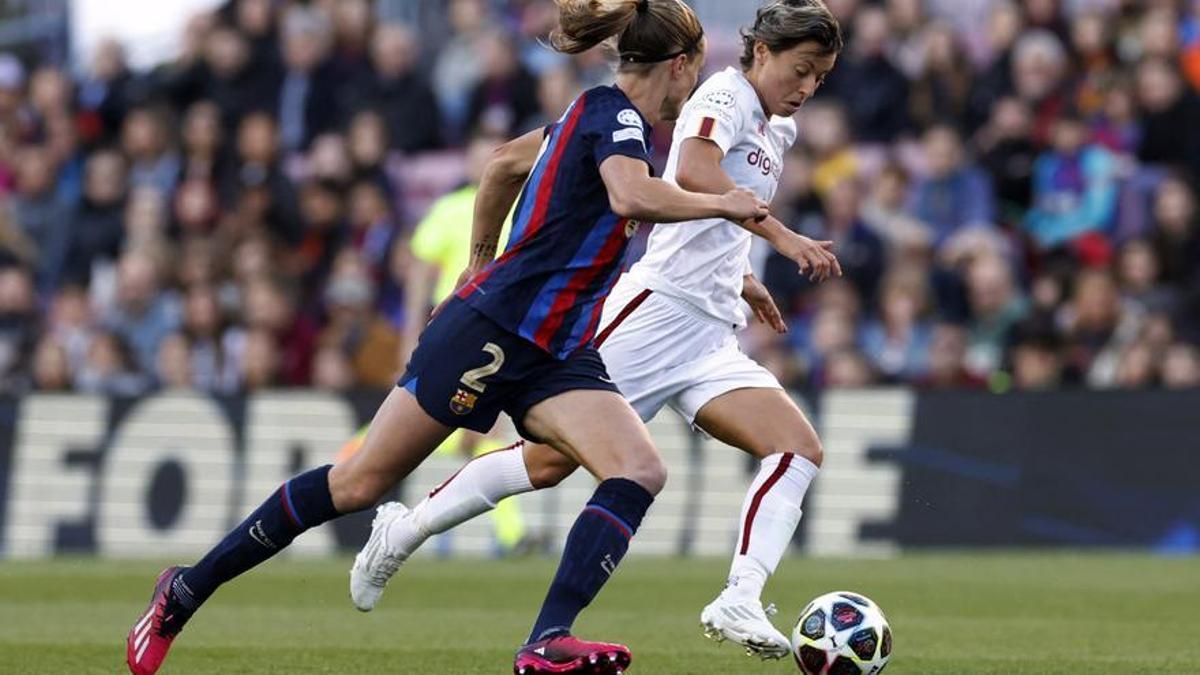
x=643, y=6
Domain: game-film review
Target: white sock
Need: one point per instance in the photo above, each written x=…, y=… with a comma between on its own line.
x=475, y=489
x=769, y=518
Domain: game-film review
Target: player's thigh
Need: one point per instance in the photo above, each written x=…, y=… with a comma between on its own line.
x=546, y=466
x=761, y=421
x=400, y=437
x=599, y=430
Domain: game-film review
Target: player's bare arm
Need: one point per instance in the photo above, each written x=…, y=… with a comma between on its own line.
x=637, y=195
x=498, y=191
x=700, y=171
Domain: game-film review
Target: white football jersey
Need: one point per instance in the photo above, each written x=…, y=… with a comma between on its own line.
x=702, y=262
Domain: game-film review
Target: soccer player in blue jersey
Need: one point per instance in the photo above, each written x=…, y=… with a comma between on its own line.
x=517, y=338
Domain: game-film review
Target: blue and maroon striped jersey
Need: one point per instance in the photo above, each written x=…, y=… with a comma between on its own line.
x=567, y=246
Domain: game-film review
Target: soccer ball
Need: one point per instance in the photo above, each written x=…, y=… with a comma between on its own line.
x=842, y=633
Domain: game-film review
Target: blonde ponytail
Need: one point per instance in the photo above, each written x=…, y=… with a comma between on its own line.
x=583, y=24
x=644, y=32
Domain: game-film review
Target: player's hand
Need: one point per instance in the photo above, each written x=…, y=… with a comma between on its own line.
x=815, y=258
x=741, y=204
x=760, y=300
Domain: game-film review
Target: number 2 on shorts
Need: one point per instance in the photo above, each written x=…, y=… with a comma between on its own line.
x=473, y=379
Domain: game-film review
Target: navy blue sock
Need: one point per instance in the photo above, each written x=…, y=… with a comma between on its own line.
x=597, y=542
x=299, y=504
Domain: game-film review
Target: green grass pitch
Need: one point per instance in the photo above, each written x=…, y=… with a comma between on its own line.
x=951, y=613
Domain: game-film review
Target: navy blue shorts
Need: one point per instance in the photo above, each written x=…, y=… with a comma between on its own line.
x=467, y=369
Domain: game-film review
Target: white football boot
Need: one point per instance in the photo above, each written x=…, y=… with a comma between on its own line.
x=376, y=563
x=744, y=621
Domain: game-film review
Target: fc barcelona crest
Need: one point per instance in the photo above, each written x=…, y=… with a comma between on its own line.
x=463, y=402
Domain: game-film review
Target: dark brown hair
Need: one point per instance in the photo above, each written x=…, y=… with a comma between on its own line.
x=646, y=31
x=783, y=24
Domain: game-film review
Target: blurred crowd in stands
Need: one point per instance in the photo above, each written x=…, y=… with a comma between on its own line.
x=1012, y=188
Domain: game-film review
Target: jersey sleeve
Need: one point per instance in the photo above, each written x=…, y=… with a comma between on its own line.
x=616, y=129
x=713, y=114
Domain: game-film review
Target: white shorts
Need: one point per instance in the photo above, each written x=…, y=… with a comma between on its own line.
x=661, y=351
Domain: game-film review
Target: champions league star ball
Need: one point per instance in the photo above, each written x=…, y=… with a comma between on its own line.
x=842, y=633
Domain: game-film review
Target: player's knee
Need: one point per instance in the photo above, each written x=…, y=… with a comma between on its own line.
x=354, y=493
x=813, y=451
x=551, y=473
x=804, y=443
x=647, y=470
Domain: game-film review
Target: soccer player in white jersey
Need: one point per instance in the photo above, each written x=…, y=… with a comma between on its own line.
x=668, y=329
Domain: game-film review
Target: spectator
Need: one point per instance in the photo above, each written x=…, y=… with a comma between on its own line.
x=215, y=349
x=1176, y=235
x=505, y=99
x=995, y=81
x=897, y=342
x=942, y=89
x=1074, y=188
x=228, y=78
x=41, y=216
x=556, y=88
x=947, y=356
x=1138, y=367
x=145, y=219
x=256, y=20
x=105, y=93
x=204, y=156
x=326, y=231
x=860, y=251
x=1138, y=271
x=952, y=194
x=328, y=160
x=144, y=140
x=825, y=130
x=1095, y=60
x=97, y=230
x=372, y=228
x=1115, y=126
x=885, y=214
x=111, y=368
x=260, y=367
x=353, y=23
x=260, y=181
x=370, y=343
x=1169, y=135
x=1099, y=326
x=401, y=92
x=17, y=327
x=848, y=369
x=173, y=367
x=996, y=305
x=270, y=310
x=51, y=371
x=1040, y=68
x=874, y=90
x=1181, y=367
x=1037, y=362
x=458, y=68
x=69, y=322
x=308, y=93
x=197, y=209
x=144, y=313
x=1008, y=155
x=367, y=141
x=332, y=371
